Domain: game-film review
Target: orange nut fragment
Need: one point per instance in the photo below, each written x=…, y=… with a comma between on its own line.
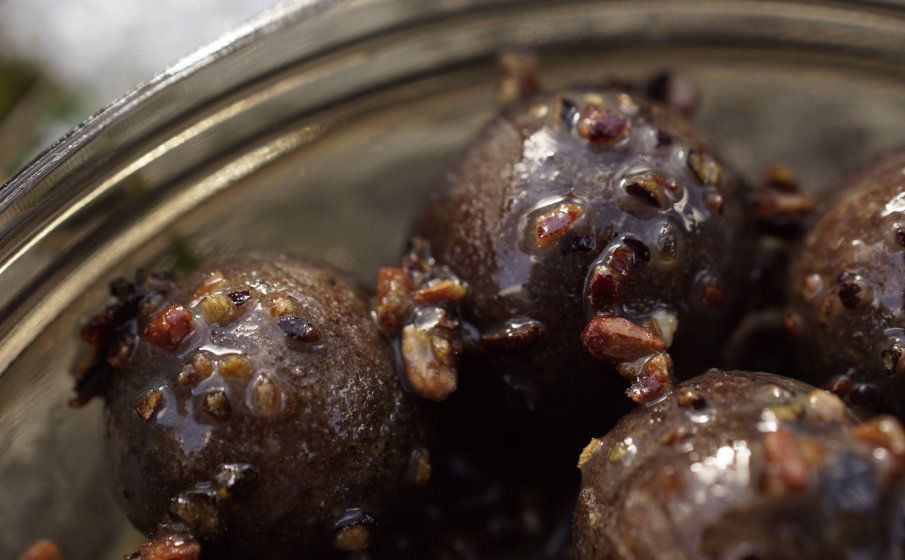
x=169, y=327
x=149, y=405
x=444, y=291
x=552, y=225
x=394, y=297
x=786, y=460
x=616, y=339
x=170, y=548
x=43, y=549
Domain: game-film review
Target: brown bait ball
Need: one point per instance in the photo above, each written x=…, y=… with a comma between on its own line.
x=736, y=465
x=846, y=287
x=583, y=210
x=256, y=408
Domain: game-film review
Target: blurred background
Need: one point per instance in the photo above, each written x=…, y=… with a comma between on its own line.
x=62, y=60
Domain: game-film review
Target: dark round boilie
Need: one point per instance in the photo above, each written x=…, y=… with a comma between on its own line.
x=740, y=465
x=586, y=204
x=257, y=407
x=846, y=288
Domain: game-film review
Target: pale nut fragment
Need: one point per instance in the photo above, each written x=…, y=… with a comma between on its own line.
x=219, y=309
x=211, y=283
x=430, y=363
x=826, y=405
x=352, y=538
x=419, y=472
x=281, y=306
x=616, y=339
x=266, y=397
x=235, y=366
x=588, y=452
x=786, y=463
x=442, y=291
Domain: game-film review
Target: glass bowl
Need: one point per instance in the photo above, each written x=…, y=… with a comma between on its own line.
x=319, y=127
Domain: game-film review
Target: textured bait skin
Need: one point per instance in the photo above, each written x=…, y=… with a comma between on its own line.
x=591, y=205
x=846, y=288
x=739, y=465
x=259, y=410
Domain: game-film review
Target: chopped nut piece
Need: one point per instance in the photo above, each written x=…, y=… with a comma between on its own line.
x=826, y=405
x=420, y=467
x=603, y=126
x=517, y=335
x=588, y=452
x=281, y=306
x=690, y=398
x=170, y=548
x=603, y=290
x=430, y=375
x=715, y=202
x=645, y=189
x=654, y=381
x=786, y=412
x=266, y=397
x=211, y=283
x=894, y=359
x=448, y=291
x=677, y=435
x=550, y=226
x=219, y=309
x=217, y=405
x=394, y=297
x=781, y=450
x=297, y=328
x=119, y=354
x=883, y=431
x=149, y=405
x=713, y=294
x=705, y=167
x=519, y=77
x=231, y=478
x=777, y=204
x=616, y=339
x=234, y=366
x=44, y=549
x=850, y=294
x=169, y=327
x=352, y=538
x=621, y=260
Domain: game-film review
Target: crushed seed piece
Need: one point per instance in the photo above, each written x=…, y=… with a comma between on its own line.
x=550, y=226
x=234, y=366
x=616, y=339
x=516, y=335
x=169, y=327
x=443, y=291
x=297, y=328
x=646, y=190
x=281, y=306
x=44, y=549
x=786, y=412
x=603, y=126
x=352, y=538
x=239, y=297
x=781, y=450
x=705, y=167
x=170, y=548
x=690, y=398
x=217, y=405
x=894, y=359
x=149, y=404
x=588, y=452
x=231, y=478
x=431, y=376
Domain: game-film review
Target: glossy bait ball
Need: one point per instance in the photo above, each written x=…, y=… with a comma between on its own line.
x=592, y=225
x=846, y=289
x=254, y=407
x=739, y=465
